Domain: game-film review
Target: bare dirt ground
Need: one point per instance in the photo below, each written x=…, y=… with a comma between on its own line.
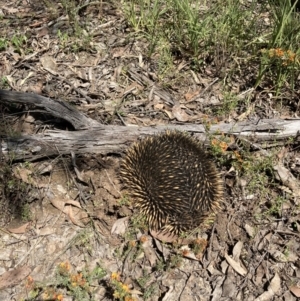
x=67, y=216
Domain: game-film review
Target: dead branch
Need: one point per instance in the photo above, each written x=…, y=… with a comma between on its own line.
x=97, y=138
x=57, y=108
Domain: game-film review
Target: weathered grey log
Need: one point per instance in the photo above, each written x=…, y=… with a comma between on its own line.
x=114, y=139
x=57, y=108
x=97, y=138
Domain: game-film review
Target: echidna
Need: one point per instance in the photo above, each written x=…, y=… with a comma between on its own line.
x=172, y=180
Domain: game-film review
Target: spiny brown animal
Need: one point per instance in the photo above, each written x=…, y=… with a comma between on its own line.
x=172, y=181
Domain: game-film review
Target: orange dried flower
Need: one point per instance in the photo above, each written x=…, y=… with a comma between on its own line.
x=185, y=252
x=221, y=144
x=143, y=238
x=214, y=142
x=291, y=55
x=132, y=243
x=125, y=288
x=50, y=294
x=287, y=56
x=279, y=52
x=60, y=297
x=77, y=279
x=115, y=276
x=238, y=156
x=199, y=245
x=29, y=283
x=64, y=267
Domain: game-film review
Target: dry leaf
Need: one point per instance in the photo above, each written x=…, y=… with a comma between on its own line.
x=188, y=253
x=236, y=265
x=170, y=114
x=14, y=277
x=163, y=236
x=29, y=75
x=79, y=175
x=42, y=31
x=190, y=96
x=250, y=230
x=118, y=52
x=289, y=257
x=77, y=216
x=158, y=106
x=272, y=289
x=134, y=88
x=295, y=290
x=120, y=226
x=246, y=113
x=58, y=203
x=229, y=286
x=237, y=249
x=19, y=230
x=162, y=248
x=74, y=203
x=180, y=114
x=48, y=63
x=45, y=168
x=23, y=174
x=217, y=293
x=258, y=277
x=69, y=212
x=45, y=231
x=286, y=177
x=10, y=10
x=149, y=252
x=135, y=292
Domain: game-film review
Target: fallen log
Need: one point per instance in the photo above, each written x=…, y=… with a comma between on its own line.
x=104, y=139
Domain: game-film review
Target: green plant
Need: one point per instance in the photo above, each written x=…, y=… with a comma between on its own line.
x=230, y=103
x=160, y=265
x=282, y=64
x=276, y=206
x=143, y=15
x=143, y=280
x=26, y=214
x=138, y=222
x=63, y=37
x=4, y=82
x=121, y=290
x=280, y=60
x=78, y=285
x=3, y=44
x=124, y=201
x=175, y=261
x=18, y=42
x=218, y=148
x=199, y=246
x=149, y=291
